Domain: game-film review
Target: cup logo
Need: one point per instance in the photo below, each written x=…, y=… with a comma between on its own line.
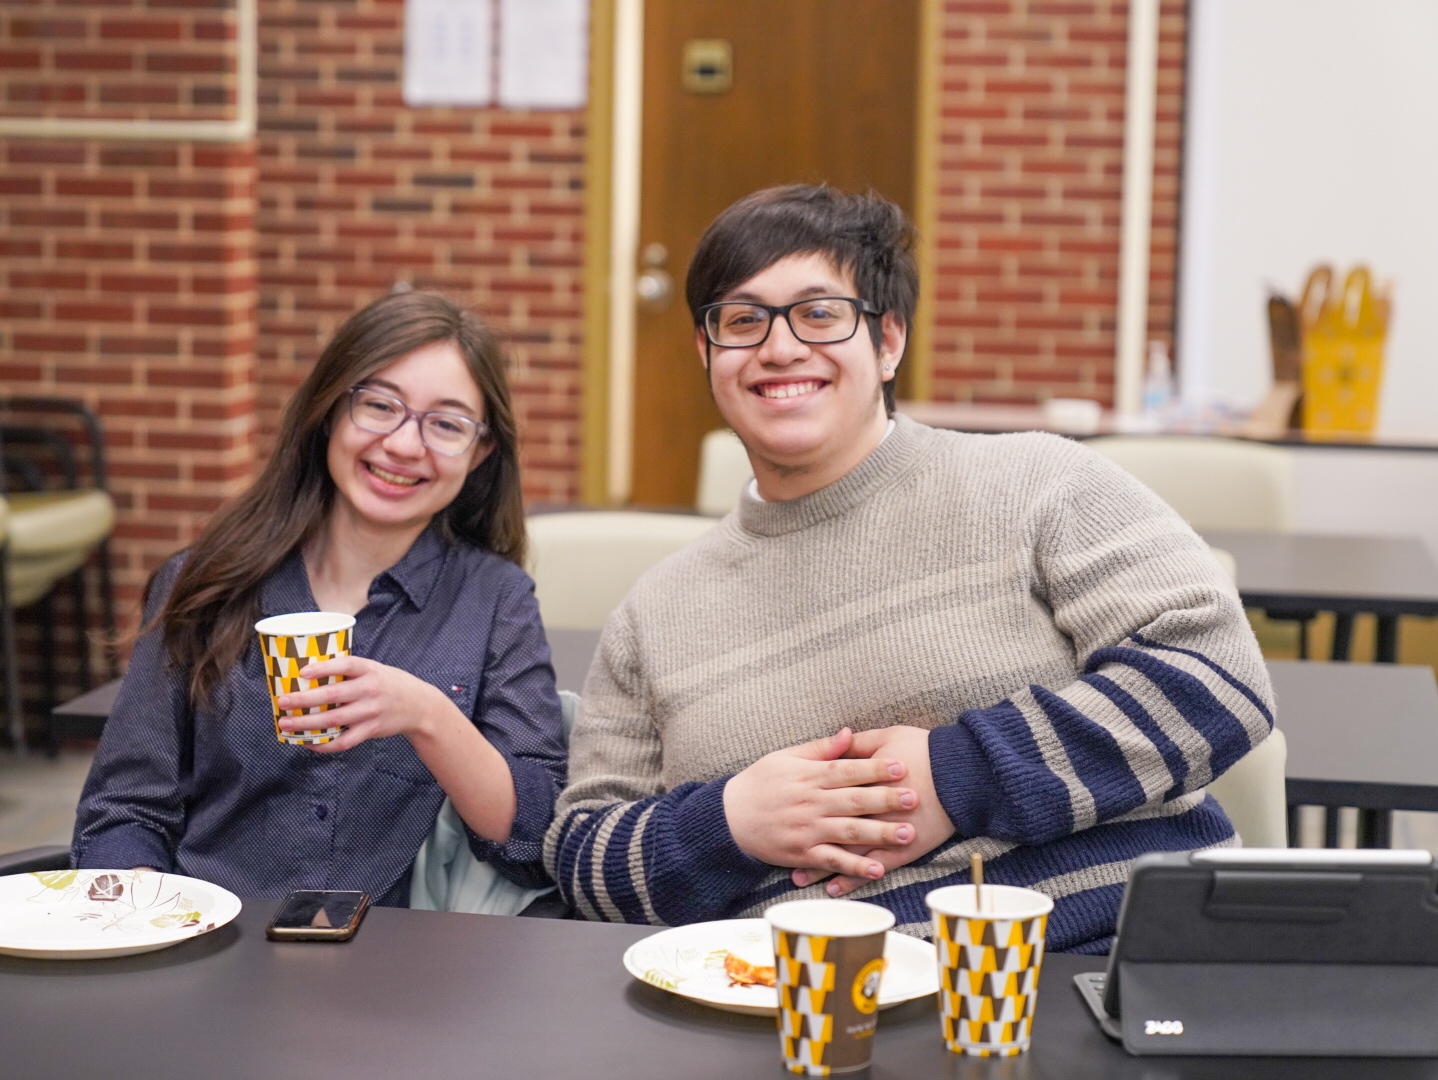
x=824, y=1031
x=865, y=990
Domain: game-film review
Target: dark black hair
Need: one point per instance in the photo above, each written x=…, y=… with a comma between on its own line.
x=865, y=236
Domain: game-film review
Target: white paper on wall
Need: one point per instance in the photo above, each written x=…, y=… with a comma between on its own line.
x=448, y=52
x=544, y=53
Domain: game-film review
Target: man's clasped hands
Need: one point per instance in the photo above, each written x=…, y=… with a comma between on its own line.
x=851, y=806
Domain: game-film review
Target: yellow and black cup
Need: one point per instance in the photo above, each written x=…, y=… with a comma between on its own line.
x=288, y=643
x=829, y=959
x=990, y=951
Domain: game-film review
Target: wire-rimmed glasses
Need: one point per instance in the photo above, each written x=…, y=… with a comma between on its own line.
x=443, y=432
x=818, y=320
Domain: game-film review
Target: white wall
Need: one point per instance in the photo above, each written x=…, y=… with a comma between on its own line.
x=1311, y=136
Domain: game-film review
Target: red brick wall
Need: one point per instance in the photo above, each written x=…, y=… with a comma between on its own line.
x=1030, y=192
x=127, y=266
x=182, y=288
x=358, y=192
x=121, y=59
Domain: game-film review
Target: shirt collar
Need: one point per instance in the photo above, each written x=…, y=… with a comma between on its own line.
x=416, y=574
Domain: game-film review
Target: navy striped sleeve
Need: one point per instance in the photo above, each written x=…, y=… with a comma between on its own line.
x=667, y=859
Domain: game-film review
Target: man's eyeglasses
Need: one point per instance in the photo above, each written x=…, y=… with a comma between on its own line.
x=443, y=432
x=821, y=320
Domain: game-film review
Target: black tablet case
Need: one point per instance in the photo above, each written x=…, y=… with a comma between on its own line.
x=1306, y=959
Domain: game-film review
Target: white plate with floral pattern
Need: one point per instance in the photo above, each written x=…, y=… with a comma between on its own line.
x=89, y=914
x=689, y=961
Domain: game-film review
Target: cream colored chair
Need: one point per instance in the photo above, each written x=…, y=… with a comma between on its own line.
x=1226, y=562
x=47, y=537
x=723, y=472
x=50, y=533
x=584, y=562
x=1253, y=794
x=1218, y=484
x=1213, y=483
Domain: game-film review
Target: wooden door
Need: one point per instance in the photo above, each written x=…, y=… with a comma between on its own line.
x=822, y=90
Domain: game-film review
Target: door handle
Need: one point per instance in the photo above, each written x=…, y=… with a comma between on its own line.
x=655, y=286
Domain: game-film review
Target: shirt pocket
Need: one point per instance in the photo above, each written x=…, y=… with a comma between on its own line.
x=396, y=756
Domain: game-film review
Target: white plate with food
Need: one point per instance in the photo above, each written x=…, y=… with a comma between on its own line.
x=724, y=964
x=90, y=914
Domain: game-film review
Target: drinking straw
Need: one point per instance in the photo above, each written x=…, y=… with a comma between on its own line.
x=976, y=867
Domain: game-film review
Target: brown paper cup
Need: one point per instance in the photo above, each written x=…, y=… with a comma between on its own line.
x=829, y=957
x=288, y=643
x=989, y=964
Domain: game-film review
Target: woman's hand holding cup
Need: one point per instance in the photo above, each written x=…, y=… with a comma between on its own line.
x=369, y=700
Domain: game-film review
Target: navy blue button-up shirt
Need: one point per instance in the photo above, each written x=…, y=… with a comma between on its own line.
x=213, y=794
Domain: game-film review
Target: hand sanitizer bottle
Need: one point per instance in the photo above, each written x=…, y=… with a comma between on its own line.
x=1158, y=380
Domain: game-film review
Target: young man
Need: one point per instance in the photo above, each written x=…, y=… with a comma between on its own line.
x=905, y=645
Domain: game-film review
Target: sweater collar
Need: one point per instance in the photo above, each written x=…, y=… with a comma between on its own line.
x=891, y=458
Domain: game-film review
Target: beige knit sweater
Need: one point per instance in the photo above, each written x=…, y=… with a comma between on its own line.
x=1082, y=663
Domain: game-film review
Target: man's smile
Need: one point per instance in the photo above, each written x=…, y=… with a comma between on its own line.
x=788, y=390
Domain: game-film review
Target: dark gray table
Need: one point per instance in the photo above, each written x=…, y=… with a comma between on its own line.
x=428, y=995
x=1363, y=735
x=1298, y=573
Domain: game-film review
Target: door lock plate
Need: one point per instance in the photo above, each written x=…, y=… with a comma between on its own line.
x=708, y=65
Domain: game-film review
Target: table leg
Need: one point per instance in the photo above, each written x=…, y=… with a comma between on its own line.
x=1375, y=828
x=1342, y=636
x=1386, y=650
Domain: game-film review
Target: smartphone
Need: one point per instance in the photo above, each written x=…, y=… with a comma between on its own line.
x=318, y=915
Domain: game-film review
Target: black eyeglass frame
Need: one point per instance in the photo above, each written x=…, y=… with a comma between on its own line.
x=481, y=429
x=862, y=307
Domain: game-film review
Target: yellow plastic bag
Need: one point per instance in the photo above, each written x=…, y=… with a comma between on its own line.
x=1344, y=332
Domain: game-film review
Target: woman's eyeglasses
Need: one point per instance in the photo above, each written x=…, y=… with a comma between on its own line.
x=443, y=432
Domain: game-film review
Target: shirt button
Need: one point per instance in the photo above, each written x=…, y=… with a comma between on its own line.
x=322, y=812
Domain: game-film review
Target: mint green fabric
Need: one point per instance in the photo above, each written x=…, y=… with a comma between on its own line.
x=447, y=876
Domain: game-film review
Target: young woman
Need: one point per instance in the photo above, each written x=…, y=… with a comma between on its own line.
x=392, y=495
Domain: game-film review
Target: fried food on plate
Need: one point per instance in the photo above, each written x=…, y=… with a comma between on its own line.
x=743, y=973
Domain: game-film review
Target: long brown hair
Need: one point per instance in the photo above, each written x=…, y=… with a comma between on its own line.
x=209, y=615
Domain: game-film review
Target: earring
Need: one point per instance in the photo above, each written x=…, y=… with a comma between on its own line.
x=888, y=367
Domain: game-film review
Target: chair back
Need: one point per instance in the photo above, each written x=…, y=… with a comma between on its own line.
x=723, y=472
x=1253, y=795
x=1213, y=483
x=584, y=562
x=1226, y=562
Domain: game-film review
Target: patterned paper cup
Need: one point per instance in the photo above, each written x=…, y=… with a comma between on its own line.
x=288, y=643
x=988, y=966
x=829, y=956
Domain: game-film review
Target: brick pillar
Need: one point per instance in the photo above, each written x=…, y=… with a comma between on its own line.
x=128, y=265
x=1030, y=196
